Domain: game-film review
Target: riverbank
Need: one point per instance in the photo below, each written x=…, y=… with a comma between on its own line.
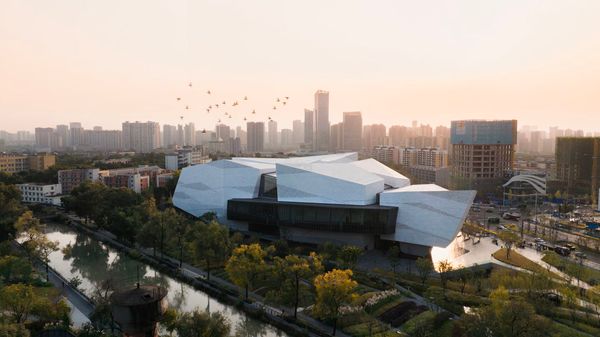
x=217, y=288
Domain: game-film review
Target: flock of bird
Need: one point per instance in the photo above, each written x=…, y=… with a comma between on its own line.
x=219, y=110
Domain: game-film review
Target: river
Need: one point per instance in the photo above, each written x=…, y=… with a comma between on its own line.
x=94, y=262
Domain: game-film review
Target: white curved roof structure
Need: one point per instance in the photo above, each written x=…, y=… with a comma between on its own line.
x=538, y=183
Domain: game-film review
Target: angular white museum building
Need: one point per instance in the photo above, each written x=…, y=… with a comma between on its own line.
x=331, y=198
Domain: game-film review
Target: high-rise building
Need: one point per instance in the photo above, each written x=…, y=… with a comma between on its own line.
x=298, y=131
x=309, y=126
x=256, y=136
x=141, y=137
x=169, y=136
x=189, y=134
x=242, y=135
x=223, y=131
x=352, y=131
x=287, y=138
x=76, y=131
x=442, y=138
x=44, y=137
x=272, y=134
x=336, y=137
x=578, y=166
x=483, y=152
x=62, y=131
x=374, y=135
x=322, y=129
x=399, y=135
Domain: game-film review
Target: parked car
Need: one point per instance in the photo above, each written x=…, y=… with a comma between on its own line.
x=580, y=255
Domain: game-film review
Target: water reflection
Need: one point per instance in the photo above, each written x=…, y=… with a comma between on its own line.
x=94, y=263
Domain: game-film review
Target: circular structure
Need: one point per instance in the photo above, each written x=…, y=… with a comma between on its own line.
x=137, y=309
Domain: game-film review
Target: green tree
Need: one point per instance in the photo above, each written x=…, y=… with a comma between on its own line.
x=505, y=317
x=334, y=289
x=202, y=324
x=10, y=209
x=424, y=268
x=18, y=300
x=290, y=272
x=152, y=232
x=15, y=269
x=13, y=330
x=36, y=244
x=179, y=228
x=348, y=256
x=510, y=239
x=212, y=245
x=245, y=264
x=444, y=268
x=464, y=275
x=85, y=199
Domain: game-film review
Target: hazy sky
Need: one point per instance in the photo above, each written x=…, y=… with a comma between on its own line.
x=104, y=62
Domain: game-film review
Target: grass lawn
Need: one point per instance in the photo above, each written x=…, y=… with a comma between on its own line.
x=588, y=275
x=518, y=260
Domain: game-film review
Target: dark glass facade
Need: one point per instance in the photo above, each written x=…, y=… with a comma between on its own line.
x=373, y=219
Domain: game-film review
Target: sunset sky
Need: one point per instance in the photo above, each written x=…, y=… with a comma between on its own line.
x=104, y=62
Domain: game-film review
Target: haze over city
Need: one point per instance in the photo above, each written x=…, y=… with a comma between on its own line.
x=101, y=63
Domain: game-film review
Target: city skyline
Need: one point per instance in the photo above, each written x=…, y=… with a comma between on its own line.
x=395, y=61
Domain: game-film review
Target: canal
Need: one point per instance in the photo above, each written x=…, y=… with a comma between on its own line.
x=95, y=264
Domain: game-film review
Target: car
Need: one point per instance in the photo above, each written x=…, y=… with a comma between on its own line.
x=570, y=246
x=580, y=255
x=501, y=227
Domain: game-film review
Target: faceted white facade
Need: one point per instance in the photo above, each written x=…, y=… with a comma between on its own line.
x=327, y=184
x=206, y=188
x=428, y=215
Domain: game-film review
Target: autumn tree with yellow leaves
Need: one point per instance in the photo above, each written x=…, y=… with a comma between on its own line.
x=334, y=289
x=245, y=264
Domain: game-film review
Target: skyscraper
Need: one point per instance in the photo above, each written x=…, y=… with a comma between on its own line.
x=309, y=126
x=322, y=127
x=223, y=132
x=76, y=131
x=287, y=139
x=62, y=131
x=336, y=137
x=141, y=137
x=256, y=136
x=298, y=131
x=169, y=135
x=189, y=134
x=374, y=135
x=352, y=131
x=273, y=134
x=44, y=137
